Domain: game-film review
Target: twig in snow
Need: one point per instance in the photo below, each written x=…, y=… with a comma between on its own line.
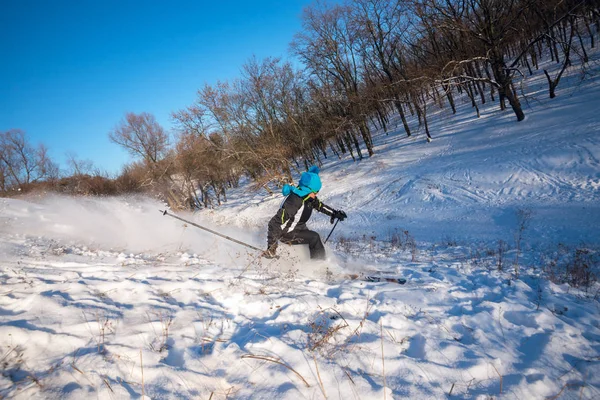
x=348, y=375
x=493, y=366
x=382, y=359
x=470, y=383
x=142, y=367
x=566, y=385
x=319, y=376
x=107, y=384
x=274, y=360
x=75, y=368
x=7, y=354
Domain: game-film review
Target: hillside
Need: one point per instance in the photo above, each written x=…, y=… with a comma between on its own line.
x=105, y=297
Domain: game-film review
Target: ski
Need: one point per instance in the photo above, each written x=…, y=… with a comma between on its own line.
x=377, y=278
x=373, y=278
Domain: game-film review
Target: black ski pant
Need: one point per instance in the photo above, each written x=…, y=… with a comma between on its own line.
x=306, y=236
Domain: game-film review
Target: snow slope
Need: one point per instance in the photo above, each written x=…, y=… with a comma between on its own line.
x=108, y=298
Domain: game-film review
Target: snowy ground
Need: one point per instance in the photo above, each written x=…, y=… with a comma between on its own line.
x=108, y=298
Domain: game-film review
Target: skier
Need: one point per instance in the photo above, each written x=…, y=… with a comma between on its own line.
x=288, y=225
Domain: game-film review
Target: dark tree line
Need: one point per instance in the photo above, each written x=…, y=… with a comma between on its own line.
x=364, y=61
x=361, y=63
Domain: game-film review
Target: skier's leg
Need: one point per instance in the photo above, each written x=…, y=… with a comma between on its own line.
x=317, y=250
x=305, y=236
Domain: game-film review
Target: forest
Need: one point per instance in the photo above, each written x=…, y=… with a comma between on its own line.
x=352, y=67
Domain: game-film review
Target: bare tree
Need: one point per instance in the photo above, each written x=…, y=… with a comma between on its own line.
x=486, y=29
x=142, y=136
x=363, y=59
x=330, y=50
x=380, y=27
x=253, y=124
x=3, y=177
x=78, y=167
x=21, y=163
x=553, y=82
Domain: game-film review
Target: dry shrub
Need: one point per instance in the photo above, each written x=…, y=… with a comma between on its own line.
x=344, y=244
x=578, y=267
x=582, y=269
x=326, y=334
x=86, y=185
x=14, y=368
x=132, y=178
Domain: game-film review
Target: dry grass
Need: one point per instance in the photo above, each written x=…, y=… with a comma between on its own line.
x=579, y=267
x=330, y=333
x=276, y=361
x=501, y=379
x=319, y=377
x=142, y=368
x=15, y=368
x=383, y=360
x=161, y=341
x=104, y=327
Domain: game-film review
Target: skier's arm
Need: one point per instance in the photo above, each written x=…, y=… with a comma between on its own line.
x=329, y=211
x=322, y=207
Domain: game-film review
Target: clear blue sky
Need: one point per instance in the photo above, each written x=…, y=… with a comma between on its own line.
x=70, y=70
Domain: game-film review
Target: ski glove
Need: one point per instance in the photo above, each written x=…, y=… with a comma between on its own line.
x=271, y=251
x=339, y=214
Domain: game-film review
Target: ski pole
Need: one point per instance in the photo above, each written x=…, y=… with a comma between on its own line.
x=336, y=222
x=165, y=212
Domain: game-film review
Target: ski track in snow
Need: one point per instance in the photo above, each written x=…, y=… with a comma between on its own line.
x=93, y=291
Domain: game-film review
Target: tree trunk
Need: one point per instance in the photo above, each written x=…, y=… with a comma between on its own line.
x=382, y=121
x=477, y=73
x=449, y=96
x=340, y=142
x=356, y=144
x=514, y=102
x=366, y=135
x=540, y=51
x=469, y=89
x=553, y=83
x=585, y=55
x=554, y=46
x=335, y=151
x=400, y=109
x=323, y=146
x=315, y=154
x=473, y=102
x=504, y=88
x=437, y=97
x=589, y=29
x=528, y=66
x=410, y=107
x=417, y=107
x=203, y=195
x=217, y=192
x=223, y=193
x=534, y=59
x=349, y=145
x=424, y=112
x=549, y=44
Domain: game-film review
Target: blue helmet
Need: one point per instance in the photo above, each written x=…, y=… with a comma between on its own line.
x=309, y=182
